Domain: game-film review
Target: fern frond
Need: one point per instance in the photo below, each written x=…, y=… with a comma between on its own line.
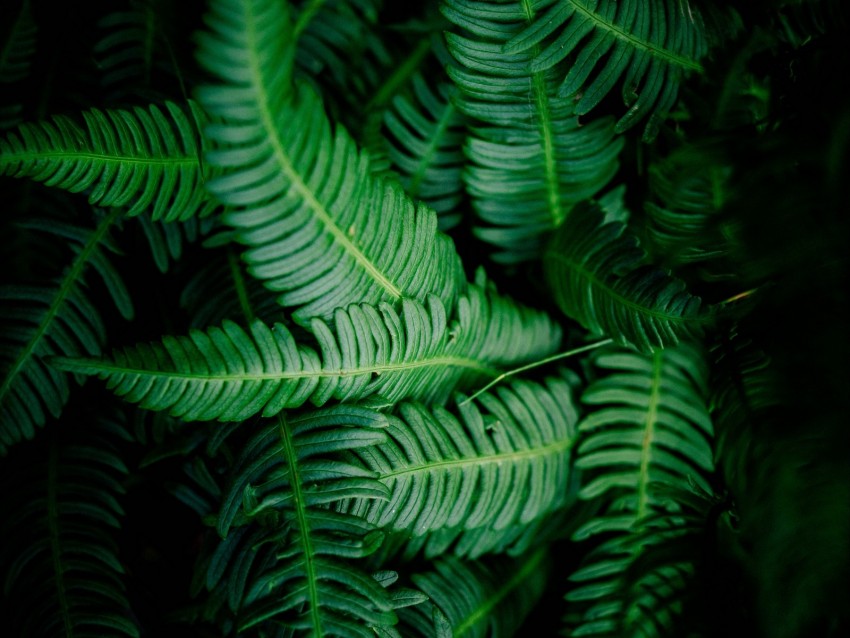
x=60, y=553
x=333, y=37
x=57, y=319
x=16, y=56
x=689, y=190
x=142, y=159
x=318, y=226
x=221, y=289
x=134, y=45
x=648, y=46
x=638, y=582
x=599, y=277
x=652, y=427
x=168, y=239
x=229, y=374
x=424, y=136
x=530, y=159
x=504, y=462
x=311, y=581
x=477, y=599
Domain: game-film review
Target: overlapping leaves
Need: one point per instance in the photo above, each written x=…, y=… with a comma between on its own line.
x=319, y=226
x=647, y=46
x=530, y=159
x=599, y=277
x=229, y=374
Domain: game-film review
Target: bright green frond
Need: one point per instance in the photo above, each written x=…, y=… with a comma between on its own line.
x=505, y=461
x=599, y=276
x=647, y=46
x=40, y=321
x=476, y=599
x=60, y=554
x=318, y=225
x=230, y=374
x=147, y=158
x=530, y=159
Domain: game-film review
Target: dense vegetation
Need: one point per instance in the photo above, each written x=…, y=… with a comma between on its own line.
x=450, y=318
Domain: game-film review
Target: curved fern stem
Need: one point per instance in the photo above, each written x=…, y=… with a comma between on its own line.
x=537, y=364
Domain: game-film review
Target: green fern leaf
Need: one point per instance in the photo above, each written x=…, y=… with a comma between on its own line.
x=689, y=190
x=59, y=553
x=46, y=320
x=502, y=464
x=652, y=427
x=648, y=46
x=599, y=277
x=308, y=578
x=530, y=159
x=476, y=599
x=318, y=226
x=229, y=374
x=135, y=47
x=424, y=136
x=142, y=159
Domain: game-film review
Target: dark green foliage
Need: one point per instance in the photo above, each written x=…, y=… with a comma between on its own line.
x=63, y=576
x=601, y=277
x=315, y=416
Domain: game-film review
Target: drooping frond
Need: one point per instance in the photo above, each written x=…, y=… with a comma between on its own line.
x=689, y=188
x=477, y=599
x=318, y=225
x=147, y=158
x=16, y=56
x=308, y=577
x=230, y=374
x=53, y=319
x=60, y=554
x=638, y=583
x=530, y=159
x=646, y=46
x=599, y=277
x=424, y=136
x=504, y=462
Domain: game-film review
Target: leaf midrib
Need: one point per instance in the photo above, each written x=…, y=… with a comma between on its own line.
x=541, y=98
x=649, y=435
x=282, y=158
x=300, y=507
x=101, y=367
x=515, y=457
x=638, y=43
x=34, y=156
x=55, y=542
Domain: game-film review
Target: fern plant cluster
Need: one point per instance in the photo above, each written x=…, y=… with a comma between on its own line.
x=451, y=318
